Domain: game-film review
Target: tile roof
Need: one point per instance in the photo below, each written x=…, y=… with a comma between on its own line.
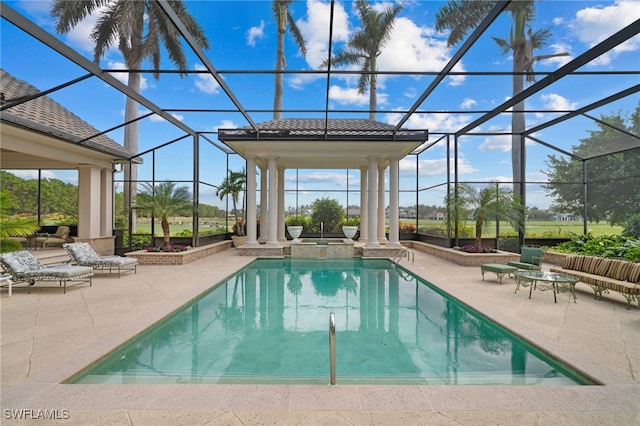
x=44, y=115
x=314, y=128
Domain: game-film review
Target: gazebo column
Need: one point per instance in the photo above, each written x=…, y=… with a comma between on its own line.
x=89, y=201
x=363, y=205
x=272, y=237
x=251, y=202
x=264, y=209
x=394, y=195
x=382, y=238
x=281, y=236
x=372, y=204
x=106, y=202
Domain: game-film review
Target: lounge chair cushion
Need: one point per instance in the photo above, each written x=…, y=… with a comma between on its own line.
x=21, y=261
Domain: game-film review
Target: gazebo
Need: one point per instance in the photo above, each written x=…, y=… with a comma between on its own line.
x=367, y=145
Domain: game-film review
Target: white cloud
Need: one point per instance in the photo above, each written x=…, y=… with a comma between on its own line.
x=205, y=82
x=434, y=167
x=592, y=25
x=33, y=174
x=348, y=96
x=558, y=61
x=124, y=76
x=556, y=102
x=468, y=103
x=435, y=122
x=255, y=33
x=315, y=30
x=326, y=178
x=496, y=143
x=225, y=124
x=157, y=119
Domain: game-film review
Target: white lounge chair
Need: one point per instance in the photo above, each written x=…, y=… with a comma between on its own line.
x=83, y=254
x=25, y=268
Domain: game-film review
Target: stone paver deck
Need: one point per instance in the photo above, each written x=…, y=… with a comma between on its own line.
x=47, y=336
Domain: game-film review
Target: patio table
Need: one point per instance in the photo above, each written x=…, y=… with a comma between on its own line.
x=555, y=281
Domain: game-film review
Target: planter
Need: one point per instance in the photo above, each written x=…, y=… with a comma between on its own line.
x=349, y=231
x=238, y=240
x=294, y=231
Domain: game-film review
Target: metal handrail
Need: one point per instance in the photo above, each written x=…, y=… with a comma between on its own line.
x=332, y=348
x=401, y=253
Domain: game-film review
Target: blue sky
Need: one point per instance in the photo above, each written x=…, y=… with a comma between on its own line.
x=242, y=36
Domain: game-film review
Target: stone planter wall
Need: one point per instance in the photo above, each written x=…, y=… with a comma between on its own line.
x=179, y=258
x=460, y=257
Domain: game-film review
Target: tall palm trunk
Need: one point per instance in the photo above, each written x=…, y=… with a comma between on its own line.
x=131, y=143
x=373, y=90
x=280, y=63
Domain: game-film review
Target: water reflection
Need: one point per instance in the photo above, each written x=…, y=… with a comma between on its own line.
x=271, y=320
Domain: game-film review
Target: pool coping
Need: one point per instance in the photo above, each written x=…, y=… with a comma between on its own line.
x=617, y=393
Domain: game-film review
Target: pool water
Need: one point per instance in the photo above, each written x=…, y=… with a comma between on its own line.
x=269, y=323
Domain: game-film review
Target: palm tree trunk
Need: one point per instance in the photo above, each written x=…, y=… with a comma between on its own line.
x=131, y=143
x=373, y=90
x=479, y=223
x=517, y=124
x=166, y=233
x=280, y=64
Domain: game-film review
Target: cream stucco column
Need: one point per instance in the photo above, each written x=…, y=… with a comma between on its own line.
x=106, y=202
x=363, y=205
x=372, y=205
x=281, y=236
x=252, y=239
x=394, y=189
x=89, y=201
x=382, y=238
x=272, y=237
x=264, y=209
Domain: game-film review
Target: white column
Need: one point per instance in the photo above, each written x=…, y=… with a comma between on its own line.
x=89, y=201
x=363, y=205
x=281, y=236
x=251, y=202
x=394, y=194
x=272, y=237
x=372, y=205
x=106, y=202
x=264, y=209
x=382, y=238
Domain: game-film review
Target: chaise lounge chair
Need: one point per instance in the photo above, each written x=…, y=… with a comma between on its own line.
x=83, y=254
x=25, y=268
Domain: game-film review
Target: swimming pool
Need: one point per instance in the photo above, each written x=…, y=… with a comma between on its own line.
x=269, y=323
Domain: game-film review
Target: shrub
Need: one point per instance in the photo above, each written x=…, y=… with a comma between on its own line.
x=351, y=221
x=7, y=245
x=407, y=228
x=632, y=227
x=615, y=246
x=297, y=221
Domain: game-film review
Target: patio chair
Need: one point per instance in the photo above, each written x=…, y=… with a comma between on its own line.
x=25, y=268
x=60, y=237
x=530, y=259
x=83, y=254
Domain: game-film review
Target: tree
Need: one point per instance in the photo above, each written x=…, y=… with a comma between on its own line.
x=232, y=185
x=613, y=184
x=163, y=200
x=137, y=27
x=282, y=17
x=462, y=16
x=327, y=212
x=12, y=226
x=366, y=45
x=492, y=202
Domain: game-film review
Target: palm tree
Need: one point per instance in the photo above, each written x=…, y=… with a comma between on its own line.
x=282, y=17
x=137, y=27
x=163, y=200
x=366, y=45
x=490, y=202
x=11, y=226
x=460, y=17
x=232, y=185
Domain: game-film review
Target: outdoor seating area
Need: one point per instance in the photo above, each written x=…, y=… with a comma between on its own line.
x=60, y=237
x=83, y=254
x=603, y=275
x=530, y=258
x=25, y=268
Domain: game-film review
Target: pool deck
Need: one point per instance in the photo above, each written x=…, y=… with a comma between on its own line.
x=47, y=336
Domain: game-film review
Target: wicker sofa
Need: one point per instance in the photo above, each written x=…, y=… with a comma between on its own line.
x=603, y=275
